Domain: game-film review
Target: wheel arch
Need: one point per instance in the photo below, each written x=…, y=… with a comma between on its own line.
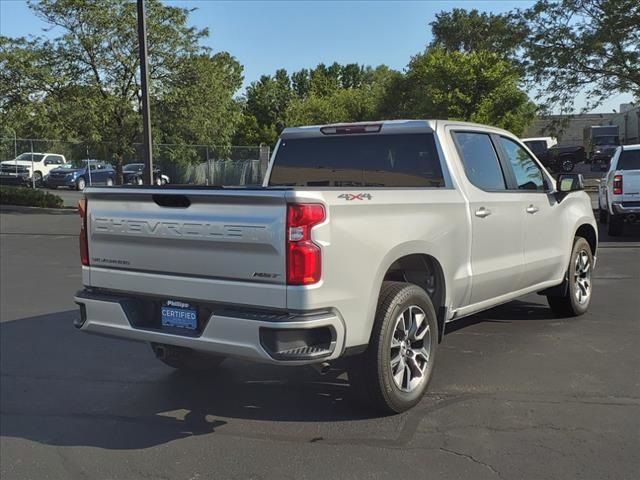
x=589, y=233
x=421, y=269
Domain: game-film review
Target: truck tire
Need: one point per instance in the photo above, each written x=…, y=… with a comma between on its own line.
x=603, y=216
x=81, y=183
x=577, y=297
x=393, y=373
x=37, y=179
x=566, y=164
x=616, y=225
x=185, y=359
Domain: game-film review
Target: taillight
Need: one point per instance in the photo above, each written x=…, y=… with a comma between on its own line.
x=304, y=258
x=617, y=184
x=84, y=244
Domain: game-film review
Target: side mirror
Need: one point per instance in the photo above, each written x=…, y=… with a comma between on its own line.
x=567, y=183
x=570, y=182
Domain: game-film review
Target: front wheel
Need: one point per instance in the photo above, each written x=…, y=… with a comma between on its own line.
x=81, y=184
x=577, y=296
x=37, y=179
x=393, y=373
x=109, y=182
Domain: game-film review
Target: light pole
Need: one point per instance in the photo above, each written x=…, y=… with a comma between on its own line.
x=144, y=82
x=15, y=146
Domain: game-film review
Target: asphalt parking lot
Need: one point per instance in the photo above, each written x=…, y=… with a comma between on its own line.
x=516, y=392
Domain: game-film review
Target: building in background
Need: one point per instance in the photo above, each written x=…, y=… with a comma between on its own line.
x=568, y=129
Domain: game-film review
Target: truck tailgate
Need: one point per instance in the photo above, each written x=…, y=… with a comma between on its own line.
x=220, y=236
x=630, y=185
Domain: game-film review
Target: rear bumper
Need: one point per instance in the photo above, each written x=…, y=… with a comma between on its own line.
x=228, y=332
x=626, y=209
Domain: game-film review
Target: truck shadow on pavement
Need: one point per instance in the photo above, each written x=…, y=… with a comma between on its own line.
x=62, y=387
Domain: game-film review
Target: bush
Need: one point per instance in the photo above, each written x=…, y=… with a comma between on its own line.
x=28, y=197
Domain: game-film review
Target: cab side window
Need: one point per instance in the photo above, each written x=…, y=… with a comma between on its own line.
x=480, y=160
x=526, y=171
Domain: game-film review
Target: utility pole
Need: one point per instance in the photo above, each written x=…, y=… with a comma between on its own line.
x=144, y=81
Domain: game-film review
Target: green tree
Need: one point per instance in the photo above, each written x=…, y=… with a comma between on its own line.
x=463, y=30
x=478, y=86
x=86, y=80
x=267, y=101
x=583, y=46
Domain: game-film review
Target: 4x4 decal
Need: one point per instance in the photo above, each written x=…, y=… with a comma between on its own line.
x=355, y=196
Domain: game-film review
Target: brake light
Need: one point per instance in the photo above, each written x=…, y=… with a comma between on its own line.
x=349, y=129
x=304, y=258
x=617, y=184
x=84, y=244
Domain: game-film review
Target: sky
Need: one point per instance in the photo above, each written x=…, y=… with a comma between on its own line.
x=265, y=36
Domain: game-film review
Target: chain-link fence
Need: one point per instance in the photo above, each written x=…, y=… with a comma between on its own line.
x=179, y=164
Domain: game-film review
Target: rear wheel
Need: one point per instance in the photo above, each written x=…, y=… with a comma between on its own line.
x=603, y=216
x=109, y=182
x=185, y=359
x=616, y=225
x=577, y=297
x=393, y=373
x=566, y=164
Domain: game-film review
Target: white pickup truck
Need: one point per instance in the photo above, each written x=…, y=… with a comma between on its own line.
x=364, y=241
x=619, y=191
x=30, y=168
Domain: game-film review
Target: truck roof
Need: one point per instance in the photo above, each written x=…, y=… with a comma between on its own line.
x=385, y=126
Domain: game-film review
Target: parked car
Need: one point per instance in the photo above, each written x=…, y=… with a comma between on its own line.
x=133, y=173
x=619, y=190
x=365, y=241
x=28, y=168
x=600, y=143
x=557, y=158
x=84, y=173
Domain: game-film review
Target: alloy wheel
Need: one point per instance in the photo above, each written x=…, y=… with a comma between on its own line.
x=410, y=348
x=582, y=277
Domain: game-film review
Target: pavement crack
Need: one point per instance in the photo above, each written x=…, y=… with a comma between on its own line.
x=473, y=459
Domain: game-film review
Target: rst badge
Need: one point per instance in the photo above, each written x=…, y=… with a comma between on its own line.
x=355, y=196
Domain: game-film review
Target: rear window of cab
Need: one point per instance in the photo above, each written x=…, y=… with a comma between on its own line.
x=392, y=160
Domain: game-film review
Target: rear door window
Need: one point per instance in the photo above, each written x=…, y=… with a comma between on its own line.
x=480, y=160
x=629, y=160
x=399, y=160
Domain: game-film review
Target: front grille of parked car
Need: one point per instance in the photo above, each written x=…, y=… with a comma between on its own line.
x=58, y=174
x=13, y=169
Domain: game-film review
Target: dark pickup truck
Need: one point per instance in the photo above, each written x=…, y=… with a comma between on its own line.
x=558, y=158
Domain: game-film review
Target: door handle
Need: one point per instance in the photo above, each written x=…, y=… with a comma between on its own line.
x=483, y=212
x=532, y=209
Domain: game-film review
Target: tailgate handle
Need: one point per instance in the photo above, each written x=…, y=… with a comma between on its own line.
x=172, y=201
